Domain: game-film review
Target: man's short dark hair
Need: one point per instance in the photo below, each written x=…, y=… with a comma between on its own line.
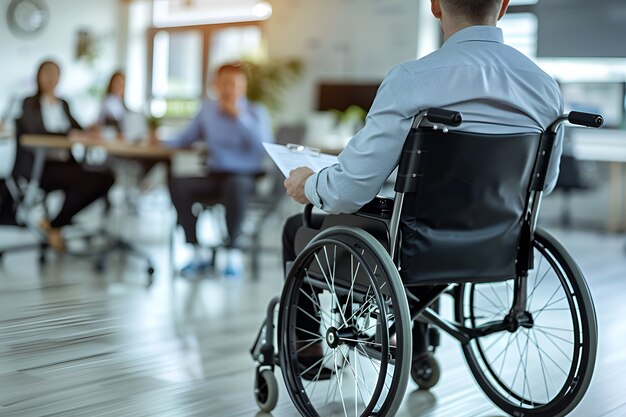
x=231, y=67
x=473, y=11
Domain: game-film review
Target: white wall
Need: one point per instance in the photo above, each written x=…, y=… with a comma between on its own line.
x=344, y=40
x=21, y=57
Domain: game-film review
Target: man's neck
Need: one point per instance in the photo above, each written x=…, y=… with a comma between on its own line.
x=448, y=32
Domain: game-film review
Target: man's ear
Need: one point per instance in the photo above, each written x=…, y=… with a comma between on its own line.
x=505, y=5
x=435, y=8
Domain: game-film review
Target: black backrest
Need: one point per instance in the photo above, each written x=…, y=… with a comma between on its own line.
x=465, y=199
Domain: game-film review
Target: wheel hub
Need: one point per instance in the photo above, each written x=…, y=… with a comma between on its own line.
x=337, y=337
x=514, y=322
x=332, y=337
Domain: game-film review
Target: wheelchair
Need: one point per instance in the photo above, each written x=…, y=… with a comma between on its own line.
x=357, y=315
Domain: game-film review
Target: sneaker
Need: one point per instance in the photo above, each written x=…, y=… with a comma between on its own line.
x=234, y=264
x=233, y=271
x=195, y=268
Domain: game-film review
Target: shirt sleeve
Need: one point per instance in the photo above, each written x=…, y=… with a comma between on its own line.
x=257, y=127
x=370, y=156
x=73, y=123
x=191, y=133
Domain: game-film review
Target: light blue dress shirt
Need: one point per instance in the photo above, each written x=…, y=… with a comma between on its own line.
x=496, y=88
x=235, y=144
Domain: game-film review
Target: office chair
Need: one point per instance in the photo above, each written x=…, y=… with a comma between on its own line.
x=11, y=195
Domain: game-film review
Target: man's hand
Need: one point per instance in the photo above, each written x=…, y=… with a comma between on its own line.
x=295, y=184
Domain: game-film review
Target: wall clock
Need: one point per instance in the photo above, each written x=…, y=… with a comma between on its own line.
x=27, y=18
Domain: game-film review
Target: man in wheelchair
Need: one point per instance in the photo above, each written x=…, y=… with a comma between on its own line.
x=462, y=223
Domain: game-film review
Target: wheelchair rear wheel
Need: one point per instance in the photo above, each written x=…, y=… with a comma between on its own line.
x=544, y=367
x=344, y=302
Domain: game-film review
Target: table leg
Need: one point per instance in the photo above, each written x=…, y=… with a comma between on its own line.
x=33, y=185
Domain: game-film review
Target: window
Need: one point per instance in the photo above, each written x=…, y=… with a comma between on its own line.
x=168, y=13
x=520, y=32
x=519, y=26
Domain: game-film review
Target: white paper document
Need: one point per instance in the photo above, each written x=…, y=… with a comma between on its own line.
x=288, y=158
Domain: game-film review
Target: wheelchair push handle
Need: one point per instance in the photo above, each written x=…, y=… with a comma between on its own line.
x=585, y=119
x=446, y=117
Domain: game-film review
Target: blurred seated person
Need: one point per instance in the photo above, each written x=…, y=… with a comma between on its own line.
x=46, y=114
x=116, y=120
x=233, y=129
x=114, y=109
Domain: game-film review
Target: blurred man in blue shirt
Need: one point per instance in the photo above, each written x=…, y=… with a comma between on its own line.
x=233, y=130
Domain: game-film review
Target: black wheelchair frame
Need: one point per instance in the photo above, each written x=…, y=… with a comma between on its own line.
x=422, y=303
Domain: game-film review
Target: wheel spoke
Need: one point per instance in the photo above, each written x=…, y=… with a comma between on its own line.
x=491, y=302
x=530, y=394
x=556, y=336
x=309, y=315
x=376, y=367
x=554, y=344
x=358, y=311
x=315, y=302
x=519, y=364
x=330, y=288
x=340, y=383
x=543, y=370
x=362, y=342
x=537, y=282
x=498, y=297
x=551, y=360
x=553, y=328
x=307, y=331
x=546, y=304
x=505, y=353
x=308, y=344
x=317, y=376
x=320, y=361
x=355, y=373
x=506, y=348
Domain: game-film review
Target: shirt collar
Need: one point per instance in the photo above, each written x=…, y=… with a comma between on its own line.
x=476, y=33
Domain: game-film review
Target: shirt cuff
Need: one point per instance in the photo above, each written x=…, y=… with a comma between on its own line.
x=310, y=191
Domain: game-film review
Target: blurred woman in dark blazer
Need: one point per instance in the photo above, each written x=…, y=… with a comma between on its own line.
x=46, y=114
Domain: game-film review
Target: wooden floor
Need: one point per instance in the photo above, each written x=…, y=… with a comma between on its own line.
x=77, y=343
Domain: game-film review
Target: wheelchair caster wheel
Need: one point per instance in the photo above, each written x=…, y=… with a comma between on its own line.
x=265, y=390
x=425, y=371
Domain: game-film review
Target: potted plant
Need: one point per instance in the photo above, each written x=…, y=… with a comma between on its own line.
x=153, y=123
x=268, y=81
